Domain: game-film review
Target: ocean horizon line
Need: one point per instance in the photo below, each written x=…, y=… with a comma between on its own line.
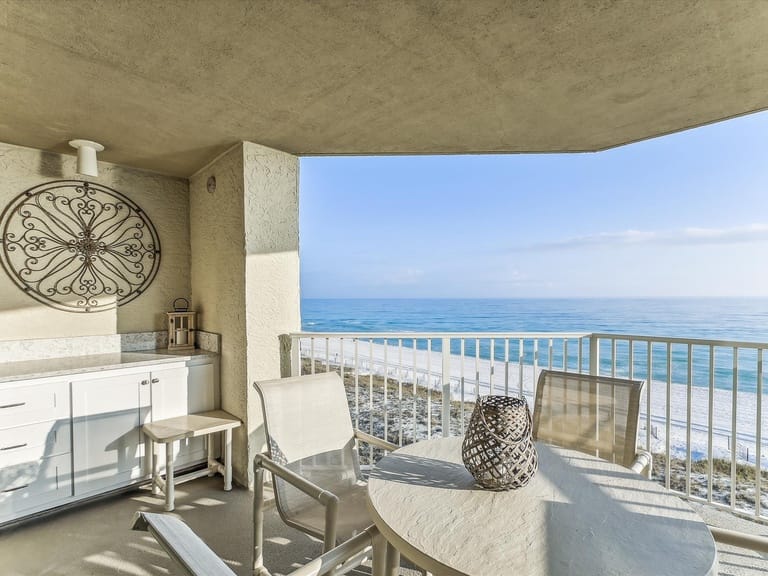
x=508, y=298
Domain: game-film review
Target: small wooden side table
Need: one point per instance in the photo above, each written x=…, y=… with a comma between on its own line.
x=170, y=430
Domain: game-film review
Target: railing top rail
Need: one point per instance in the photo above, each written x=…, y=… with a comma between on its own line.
x=672, y=340
x=434, y=335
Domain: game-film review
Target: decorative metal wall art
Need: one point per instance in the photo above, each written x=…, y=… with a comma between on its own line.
x=78, y=246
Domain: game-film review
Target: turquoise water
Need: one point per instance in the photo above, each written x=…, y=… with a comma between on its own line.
x=708, y=318
x=726, y=319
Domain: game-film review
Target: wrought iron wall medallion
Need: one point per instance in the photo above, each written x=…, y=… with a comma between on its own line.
x=78, y=246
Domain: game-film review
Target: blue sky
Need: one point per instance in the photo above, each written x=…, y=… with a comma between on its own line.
x=681, y=215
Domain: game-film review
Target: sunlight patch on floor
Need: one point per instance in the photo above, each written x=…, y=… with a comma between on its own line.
x=120, y=566
x=208, y=502
x=150, y=550
x=279, y=540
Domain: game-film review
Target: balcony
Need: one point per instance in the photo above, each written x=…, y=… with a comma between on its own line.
x=408, y=387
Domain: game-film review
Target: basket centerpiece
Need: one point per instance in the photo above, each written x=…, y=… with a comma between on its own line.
x=498, y=448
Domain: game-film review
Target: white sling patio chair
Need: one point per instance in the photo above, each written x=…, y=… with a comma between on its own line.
x=597, y=415
x=313, y=458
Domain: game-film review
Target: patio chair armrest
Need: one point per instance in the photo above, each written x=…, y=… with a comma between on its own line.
x=309, y=488
x=740, y=539
x=328, y=499
x=374, y=441
x=642, y=461
x=182, y=544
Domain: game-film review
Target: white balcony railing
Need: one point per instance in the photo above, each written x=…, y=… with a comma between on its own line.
x=701, y=410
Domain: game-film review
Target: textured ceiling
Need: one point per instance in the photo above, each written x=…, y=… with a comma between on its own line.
x=166, y=86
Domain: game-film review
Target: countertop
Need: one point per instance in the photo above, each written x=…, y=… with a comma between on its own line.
x=28, y=369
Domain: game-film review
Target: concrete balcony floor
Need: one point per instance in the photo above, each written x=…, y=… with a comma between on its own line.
x=96, y=539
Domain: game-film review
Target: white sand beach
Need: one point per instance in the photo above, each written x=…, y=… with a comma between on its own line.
x=480, y=376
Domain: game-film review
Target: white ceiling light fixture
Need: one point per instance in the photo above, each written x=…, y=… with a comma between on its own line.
x=86, y=156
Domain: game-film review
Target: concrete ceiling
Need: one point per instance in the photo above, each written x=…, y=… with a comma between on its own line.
x=166, y=86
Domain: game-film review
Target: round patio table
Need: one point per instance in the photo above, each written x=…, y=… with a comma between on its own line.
x=579, y=515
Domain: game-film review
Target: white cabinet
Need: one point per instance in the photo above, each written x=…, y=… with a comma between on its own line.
x=107, y=413
x=35, y=447
x=181, y=391
x=71, y=437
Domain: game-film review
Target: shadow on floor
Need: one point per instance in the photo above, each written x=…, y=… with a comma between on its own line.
x=96, y=539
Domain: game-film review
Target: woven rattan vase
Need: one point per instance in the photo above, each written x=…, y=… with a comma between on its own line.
x=498, y=448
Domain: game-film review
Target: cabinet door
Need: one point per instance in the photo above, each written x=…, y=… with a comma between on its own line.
x=169, y=393
x=180, y=391
x=107, y=446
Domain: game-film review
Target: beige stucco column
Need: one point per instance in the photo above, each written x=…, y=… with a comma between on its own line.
x=245, y=275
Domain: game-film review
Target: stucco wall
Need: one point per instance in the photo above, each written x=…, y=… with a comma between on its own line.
x=272, y=266
x=245, y=275
x=163, y=198
x=217, y=238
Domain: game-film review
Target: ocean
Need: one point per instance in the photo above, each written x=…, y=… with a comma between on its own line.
x=732, y=319
x=711, y=318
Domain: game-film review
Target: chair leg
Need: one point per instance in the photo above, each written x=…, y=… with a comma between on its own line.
x=258, y=523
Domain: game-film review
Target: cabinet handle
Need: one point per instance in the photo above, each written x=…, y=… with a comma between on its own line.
x=17, y=488
x=144, y=382
x=13, y=447
x=155, y=380
x=16, y=405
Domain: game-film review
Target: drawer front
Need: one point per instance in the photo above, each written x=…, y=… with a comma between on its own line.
x=34, y=484
x=20, y=405
x=35, y=441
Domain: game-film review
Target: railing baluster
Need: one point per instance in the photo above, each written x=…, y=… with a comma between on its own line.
x=477, y=369
x=461, y=402
x=415, y=379
x=594, y=355
x=580, y=356
x=400, y=391
x=565, y=355
x=490, y=375
x=711, y=420
x=312, y=355
x=386, y=395
x=759, y=434
x=506, y=366
x=370, y=397
x=689, y=402
x=446, y=376
x=550, y=353
x=357, y=384
x=521, y=363
x=734, y=424
x=649, y=382
x=668, y=423
x=429, y=388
